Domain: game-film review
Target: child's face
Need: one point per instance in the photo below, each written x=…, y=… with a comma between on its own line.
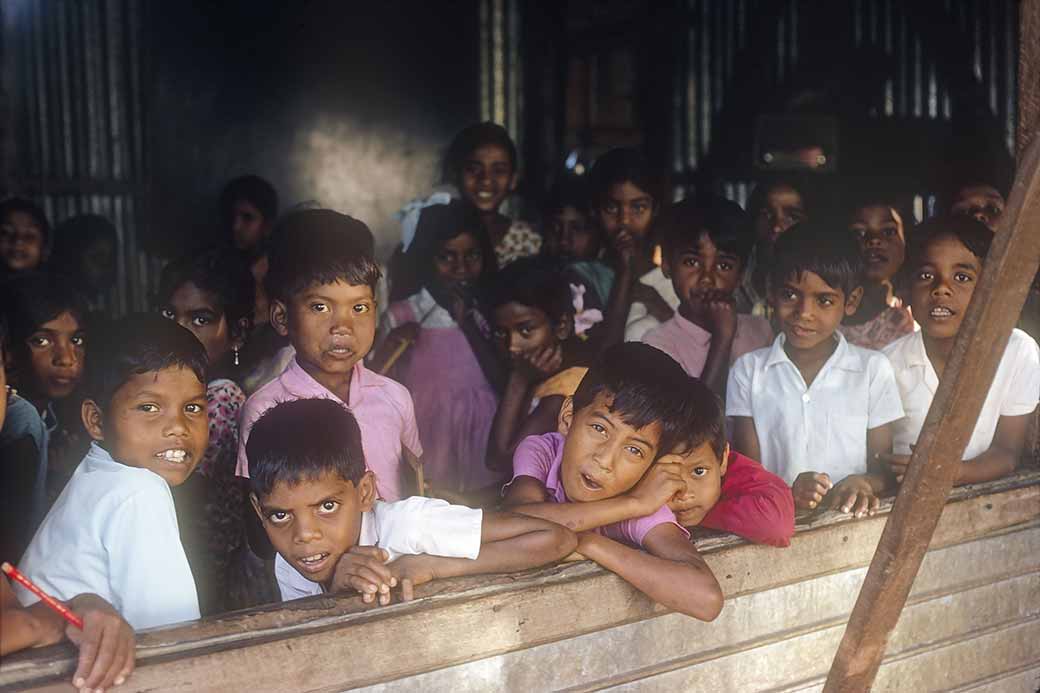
x=459, y=260
x=57, y=353
x=488, y=177
x=21, y=242
x=626, y=208
x=313, y=522
x=981, y=202
x=783, y=208
x=702, y=470
x=603, y=456
x=809, y=310
x=879, y=230
x=248, y=225
x=700, y=268
x=520, y=329
x=331, y=326
x=156, y=421
x=942, y=285
x=200, y=312
x=575, y=237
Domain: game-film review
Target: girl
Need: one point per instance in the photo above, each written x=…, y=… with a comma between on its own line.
x=945, y=262
x=25, y=236
x=449, y=365
x=571, y=235
x=881, y=318
x=532, y=306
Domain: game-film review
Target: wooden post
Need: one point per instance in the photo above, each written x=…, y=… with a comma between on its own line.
x=998, y=300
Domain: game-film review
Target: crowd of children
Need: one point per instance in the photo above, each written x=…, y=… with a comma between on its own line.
x=595, y=389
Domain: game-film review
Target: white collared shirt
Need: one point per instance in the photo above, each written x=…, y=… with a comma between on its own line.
x=1014, y=392
x=411, y=526
x=820, y=428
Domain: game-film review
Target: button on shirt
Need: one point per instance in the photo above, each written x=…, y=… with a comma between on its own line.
x=1014, y=392
x=820, y=428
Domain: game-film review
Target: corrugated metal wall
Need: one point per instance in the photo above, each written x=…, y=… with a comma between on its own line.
x=79, y=121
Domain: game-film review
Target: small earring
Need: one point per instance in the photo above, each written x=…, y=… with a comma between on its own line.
x=234, y=349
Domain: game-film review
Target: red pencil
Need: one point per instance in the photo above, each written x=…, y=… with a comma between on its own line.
x=47, y=599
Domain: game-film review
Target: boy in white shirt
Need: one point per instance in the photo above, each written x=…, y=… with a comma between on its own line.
x=113, y=530
x=813, y=408
x=318, y=504
x=945, y=262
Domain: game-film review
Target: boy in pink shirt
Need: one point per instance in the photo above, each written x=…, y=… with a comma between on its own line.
x=597, y=476
x=321, y=284
x=707, y=241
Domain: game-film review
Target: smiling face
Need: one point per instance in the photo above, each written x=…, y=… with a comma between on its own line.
x=941, y=286
x=981, y=202
x=459, y=260
x=201, y=313
x=626, y=207
x=782, y=209
x=879, y=231
x=156, y=421
x=488, y=177
x=702, y=470
x=809, y=310
x=521, y=329
x=57, y=354
x=603, y=456
x=698, y=268
x=21, y=242
x=314, y=522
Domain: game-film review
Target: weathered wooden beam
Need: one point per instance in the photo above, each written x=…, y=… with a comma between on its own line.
x=1006, y=278
x=1028, y=74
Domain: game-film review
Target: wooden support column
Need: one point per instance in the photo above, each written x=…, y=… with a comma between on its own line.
x=998, y=300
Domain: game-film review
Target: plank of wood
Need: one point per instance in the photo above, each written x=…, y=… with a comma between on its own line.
x=1001, y=292
x=1028, y=74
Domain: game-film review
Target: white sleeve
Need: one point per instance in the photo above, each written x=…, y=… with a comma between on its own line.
x=1024, y=390
x=148, y=571
x=430, y=526
x=885, y=404
x=639, y=322
x=738, y=386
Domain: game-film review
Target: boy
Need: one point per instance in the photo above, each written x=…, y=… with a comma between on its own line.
x=597, y=476
x=318, y=504
x=248, y=209
x=725, y=490
x=706, y=246
x=813, y=408
x=113, y=531
x=321, y=283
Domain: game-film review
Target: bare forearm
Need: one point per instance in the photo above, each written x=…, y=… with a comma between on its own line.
x=617, y=309
x=995, y=463
x=34, y=626
x=581, y=517
x=716, y=367
x=546, y=544
x=515, y=401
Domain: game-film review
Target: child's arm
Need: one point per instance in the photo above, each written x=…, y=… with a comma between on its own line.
x=745, y=437
x=670, y=571
x=511, y=423
x=860, y=494
x=722, y=311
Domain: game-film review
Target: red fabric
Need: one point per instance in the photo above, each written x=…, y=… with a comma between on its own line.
x=755, y=504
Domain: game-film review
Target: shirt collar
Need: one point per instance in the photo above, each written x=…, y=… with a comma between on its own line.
x=300, y=383
x=843, y=357
x=915, y=353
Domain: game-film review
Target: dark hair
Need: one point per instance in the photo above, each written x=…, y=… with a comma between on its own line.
x=437, y=225
x=470, y=139
x=539, y=282
x=725, y=223
x=823, y=247
x=647, y=386
x=139, y=343
x=34, y=298
x=219, y=271
x=768, y=183
x=867, y=193
x=252, y=189
x=975, y=236
x=319, y=246
x=301, y=440
x=570, y=191
x=707, y=419
x=620, y=166
x=20, y=204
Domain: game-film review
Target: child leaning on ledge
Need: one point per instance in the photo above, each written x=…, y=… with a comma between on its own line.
x=597, y=476
x=317, y=502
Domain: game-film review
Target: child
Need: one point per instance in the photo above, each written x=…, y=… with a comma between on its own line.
x=450, y=365
x=25, y=236
x=945, y=262
x=572, y=235
x=706, y=245
x=481, y=162
x=318, y=504
x=113, y=530
x=597, y=476
x=725, y=490
x=248, y=210
x=815, y=409
x=878, y=226
x=321, y=284
x=625, y=206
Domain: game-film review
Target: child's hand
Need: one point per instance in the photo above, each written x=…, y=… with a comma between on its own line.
x=720, y=309
x=411, y=571
x=662, y=482
x=364, y=569
x=896, y=463
x=538, y=364
x=106, y=644
x=809, y=488
x=625, y=246
x=855, y=495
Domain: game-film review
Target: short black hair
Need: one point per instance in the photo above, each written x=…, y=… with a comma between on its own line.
x=570, y=191
x=621, y=165
x=771, y=181
x=220, y=271
x=725, y=223
x=34, y=298
x=823, y=247
x=975, y=236
x=20, y=204
x=319, y=246
x=470, y=139
x=139, y=343
x=252, y=189
x=437, y=225
x=301, y=440
x=539, y=282
x=707, y=419
x=647, y=386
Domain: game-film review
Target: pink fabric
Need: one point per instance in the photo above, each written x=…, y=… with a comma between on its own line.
x=688, y=343
x=755, y=504
x=888, y=326
x=382, y=407
x=454, y=405
x=541, y=457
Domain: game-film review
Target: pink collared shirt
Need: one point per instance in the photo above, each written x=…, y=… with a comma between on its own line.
x=688, y=343
x=382, y=407
x=541, y=457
